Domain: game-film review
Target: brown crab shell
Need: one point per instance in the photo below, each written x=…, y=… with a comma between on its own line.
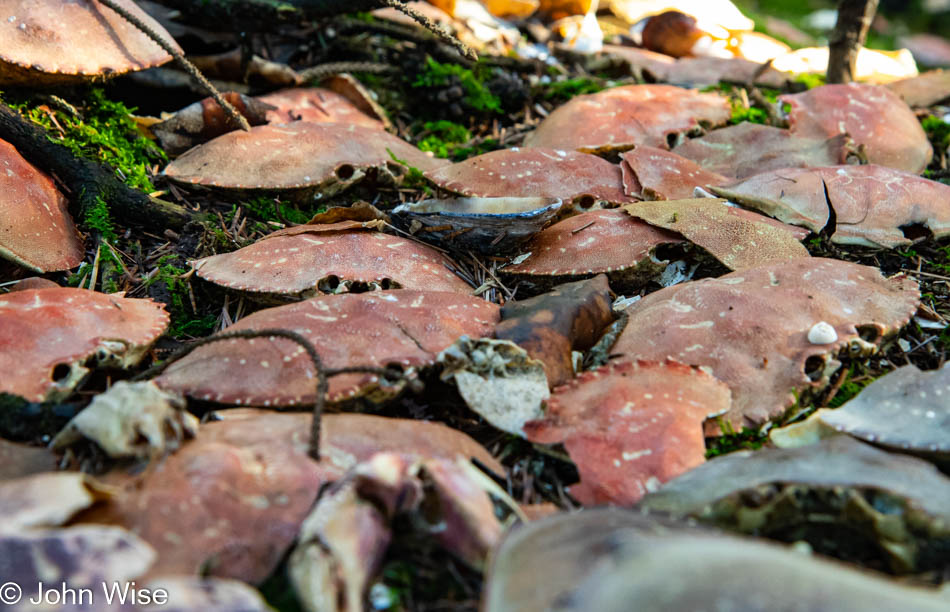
x=750, y=328
x=739, y=239
x=533, y=172
x=49, y=42
x=871, y=203
x=608, y=241
x=746, y=149
x=872, y=115
x=630, y=427
x=299, y=158
x=656, y=174
x=623, y=117
x=317, y=105
x=44, y=331
x=306, y=260
x=242, y=487
x=36, y=230
x=923, y=90
x=407, y=328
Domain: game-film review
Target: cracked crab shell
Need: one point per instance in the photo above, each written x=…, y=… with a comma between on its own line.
x=871, y=114
x=47, y=334
x=609, y=241
x=317, y=105
x=533, y=172
x=630, y=427
x=61, y=41
x=623, y=117
x=750, y=328
x=303, y=259
x=36, y=230
x=871, y=203
x=297, y=159
x=405, y=327
x=657, y=174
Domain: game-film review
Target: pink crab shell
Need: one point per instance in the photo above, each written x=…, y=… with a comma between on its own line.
x=871, y=114
x=44, y=330
x=750, y=328
x=656, y=174
x=632, y=426
x=53, y=41
x=408, y=328
x=533, y=172
x=36, y=230
x=624, y=117
x=296, y=260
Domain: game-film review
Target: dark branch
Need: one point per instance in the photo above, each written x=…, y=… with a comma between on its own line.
x=854, y=20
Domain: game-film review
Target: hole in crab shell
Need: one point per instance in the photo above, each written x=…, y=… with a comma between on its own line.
x=329, y=284
x=345, y=172
x=869, y=333
x=916, y=232
x=60, y=372
x=586, y=201
x=815, y=368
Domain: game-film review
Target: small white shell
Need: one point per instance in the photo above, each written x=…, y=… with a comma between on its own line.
x=822, y=333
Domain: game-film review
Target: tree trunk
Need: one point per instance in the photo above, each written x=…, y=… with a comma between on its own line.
x=854, y=19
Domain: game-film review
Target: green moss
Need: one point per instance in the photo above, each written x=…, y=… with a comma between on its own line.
x=561, y=91
x=102, y=130
x=938, y=131
x=183, y=321
x=97, y=218
x=443, y=137
x=731, y=440
x=477, y=94
x=810, y=80
x=414, y=179
x=272, y=209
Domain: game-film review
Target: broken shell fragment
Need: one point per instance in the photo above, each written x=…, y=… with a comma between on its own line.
x=899, y=506
x=131, y=420
x=655, y=174
x=490, y=226
x=599, y=241
x=46, y=336
x=631, y=427
x=404, y=328
x=553, y=325
x=822, y=333
x=624, y=117
x=498, y=380
x=749, y=328
x=343, y=541
x=871, y=204
x=299, y=159
x=534, y=172
x=871, y=114
x=924, y=90
x=331, y=258
x=51, y=42
x=737, y=238
x=36, y=230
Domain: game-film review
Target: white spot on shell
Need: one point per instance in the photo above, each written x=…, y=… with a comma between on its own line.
x=822, y=333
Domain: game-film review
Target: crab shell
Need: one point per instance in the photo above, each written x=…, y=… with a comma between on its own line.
x=623, y=117
x=750, y=328
x=46, y=336
x=299, y=159
x=53, y=42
